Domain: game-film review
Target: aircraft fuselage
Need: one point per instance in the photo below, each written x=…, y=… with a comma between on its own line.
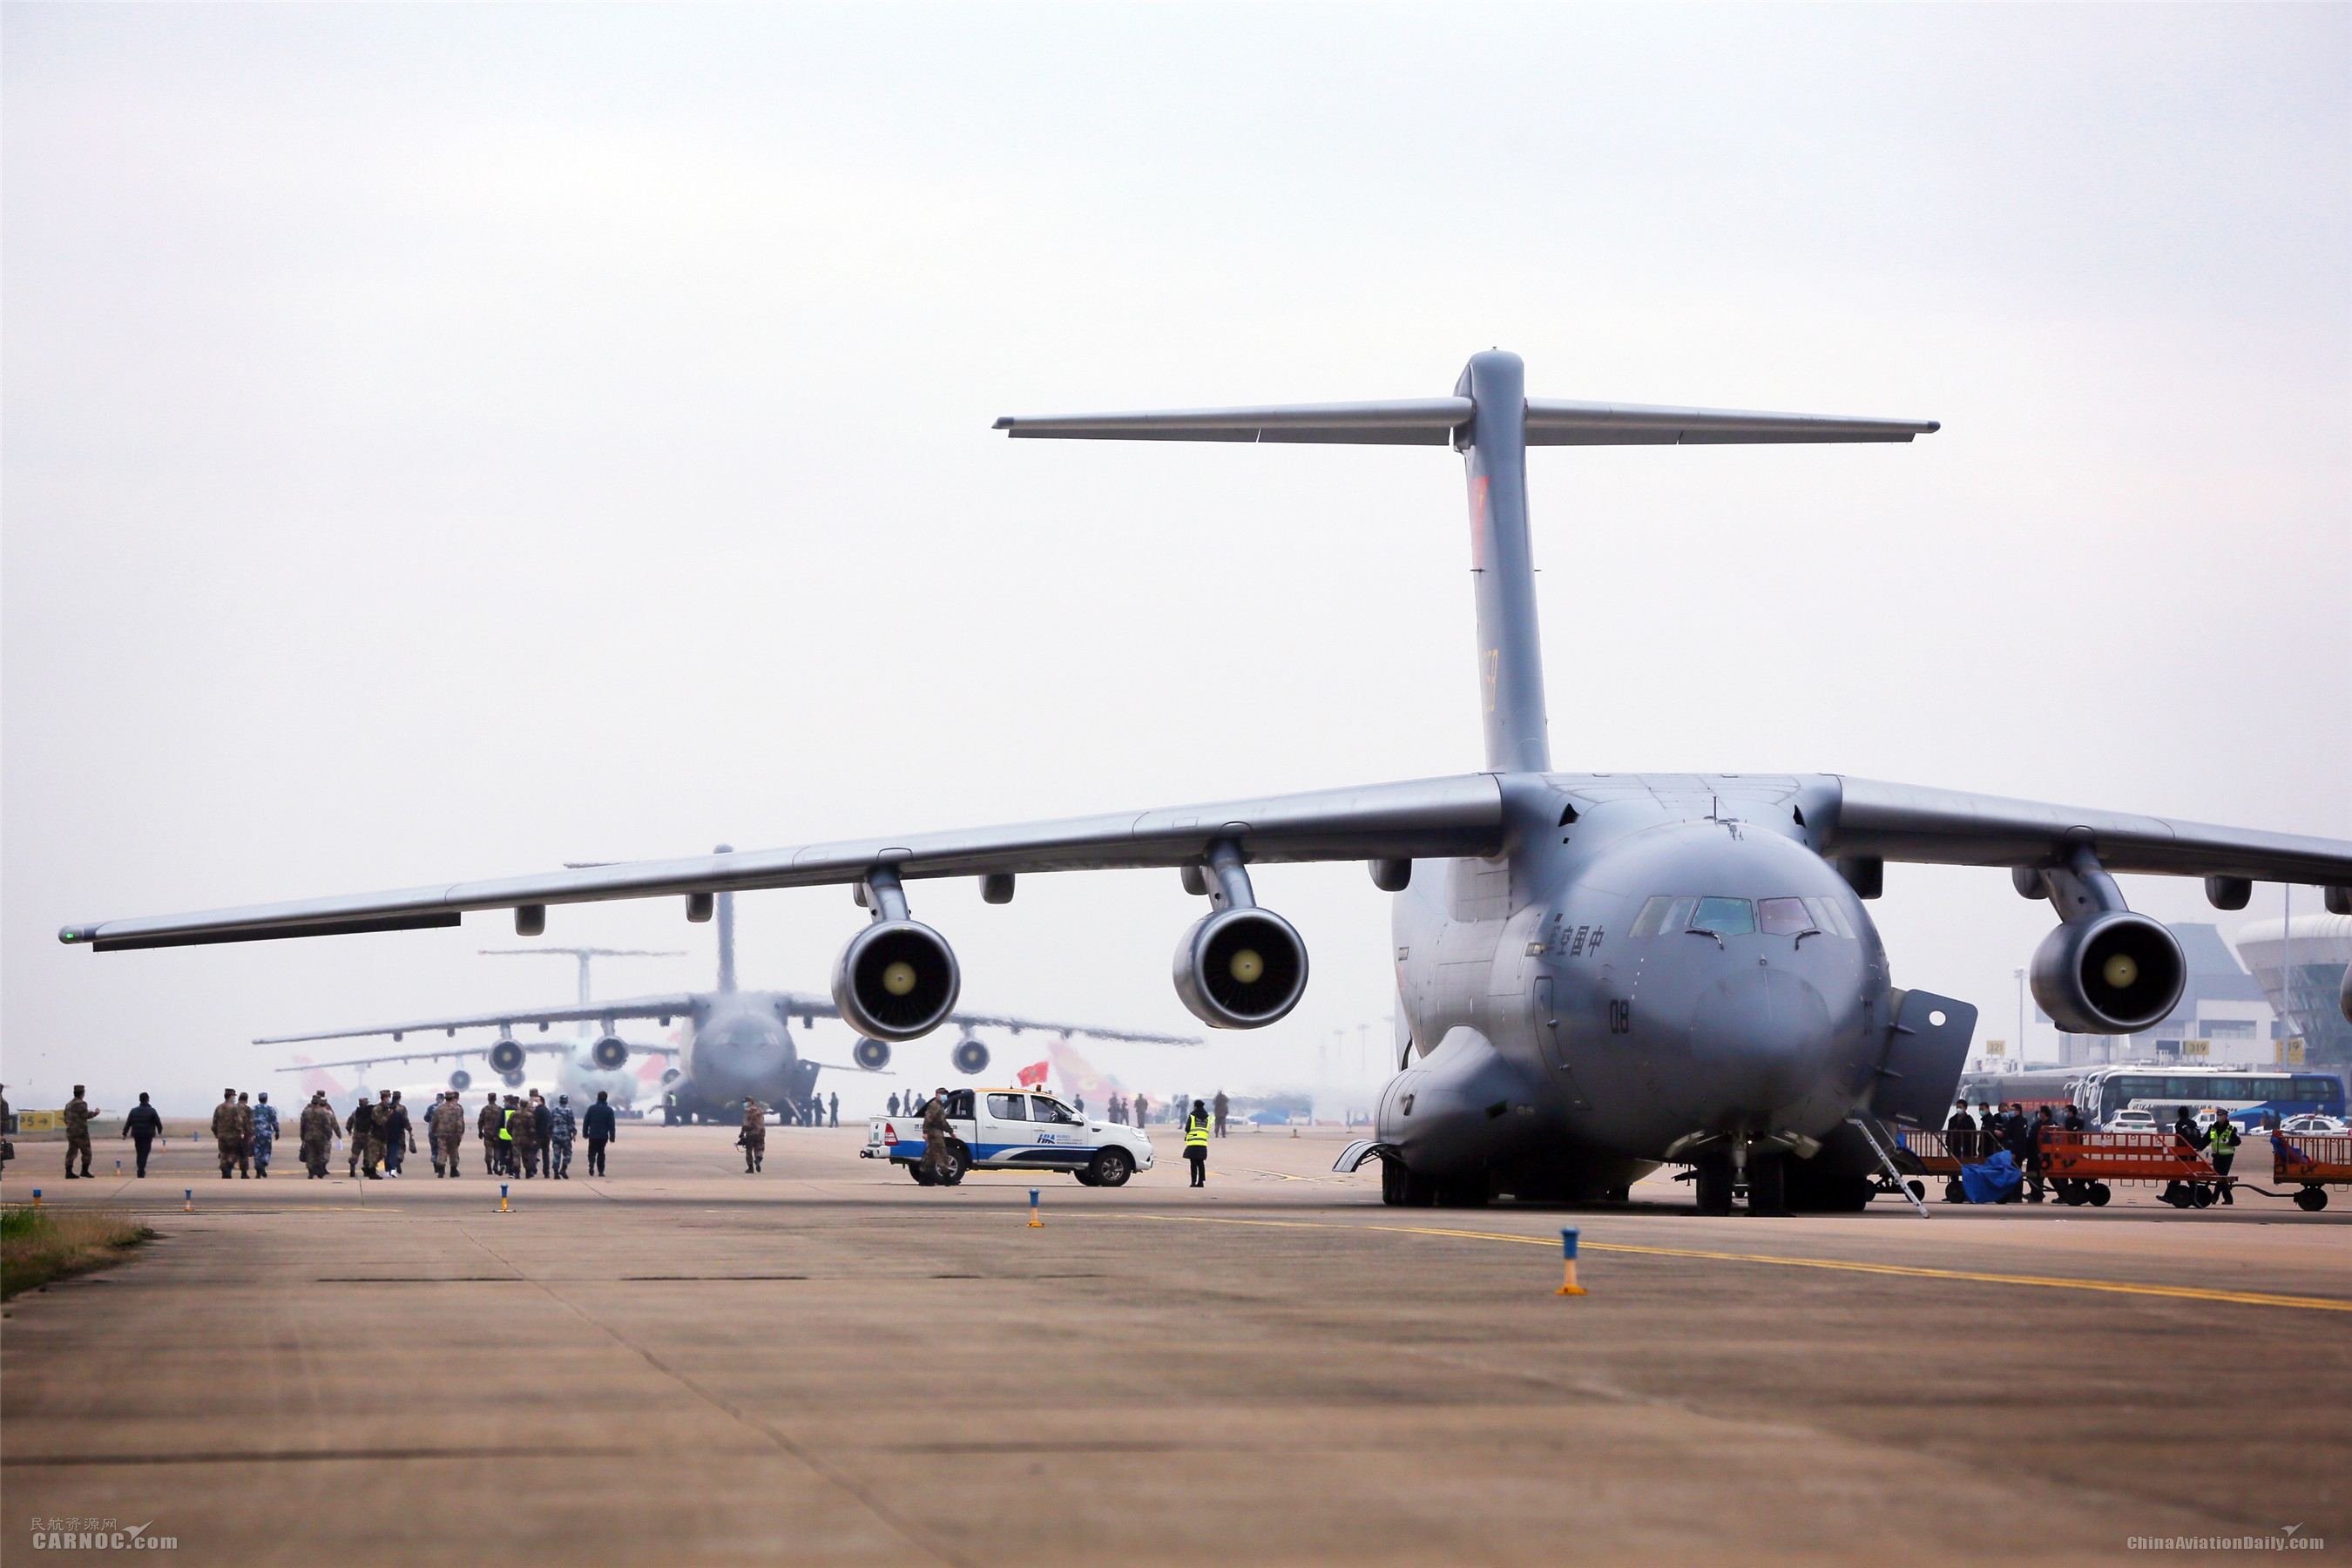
x=1564, y=1044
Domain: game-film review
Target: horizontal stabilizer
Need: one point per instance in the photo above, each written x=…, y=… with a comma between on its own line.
x=1433, y=421
x=1409, y=422
x=1552, y=423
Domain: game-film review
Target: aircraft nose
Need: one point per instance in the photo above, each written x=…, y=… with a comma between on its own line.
x=1765, y=1035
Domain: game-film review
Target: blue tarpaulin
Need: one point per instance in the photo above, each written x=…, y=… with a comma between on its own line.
x=1996, y=1180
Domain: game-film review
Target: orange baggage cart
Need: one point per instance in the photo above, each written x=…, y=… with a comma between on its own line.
x=2311, y=1164
x=1934, y=1153
x=2083, y=1164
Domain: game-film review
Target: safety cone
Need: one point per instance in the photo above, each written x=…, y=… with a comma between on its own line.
x=1569, y=1286
x=37, y=1197
x=188, y=1199
x=1034, y=1223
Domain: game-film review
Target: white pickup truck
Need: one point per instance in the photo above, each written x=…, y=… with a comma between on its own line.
x=1013, y=1130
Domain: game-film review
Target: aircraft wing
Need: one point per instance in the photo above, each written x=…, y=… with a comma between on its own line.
x=1417, y=819
x=632, y=1007
x=1954, y=827
x=452, y=1053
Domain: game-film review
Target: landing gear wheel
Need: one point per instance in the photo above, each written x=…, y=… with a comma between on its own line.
x=1111, y=1168
x=1955, y=1194
x=1469, y=1193
x=1767, y=1186
x=2311, y=1200
x=1714, y=1184
x=1400, y=1188
x=2100, y=1193
x=1618, y=1194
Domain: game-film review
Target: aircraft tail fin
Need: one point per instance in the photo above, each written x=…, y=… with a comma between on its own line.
x=317, y=1079
x=1491, y=421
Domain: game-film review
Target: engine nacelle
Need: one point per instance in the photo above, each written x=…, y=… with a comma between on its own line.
x=897, y=980
x=611, y=1053
x=671, y=1075
x=1241, y=968
x=2344, y=997
x=512, y=1079
x=2112, y=973
x=461, y=1080
x=871, y=1055
x=506, y=1057
x=970, y=1057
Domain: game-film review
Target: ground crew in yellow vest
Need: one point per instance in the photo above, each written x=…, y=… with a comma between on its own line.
x=76, y=1133
x=2221, y=1150
x=506, y=1135
x=228, y=1141
x=1196, y=1143
x=755, y=1136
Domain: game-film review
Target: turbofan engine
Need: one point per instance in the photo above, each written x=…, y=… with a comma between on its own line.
x=611, y=1053
x=2114, y=974
x=461, y=1080
x=898, y=979
x=1239, y=967
x=506, y=1057
x=871, y=1055
x=970, y=1057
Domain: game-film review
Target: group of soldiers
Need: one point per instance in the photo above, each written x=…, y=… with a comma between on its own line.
x=243, y=1132
x=523, y=1138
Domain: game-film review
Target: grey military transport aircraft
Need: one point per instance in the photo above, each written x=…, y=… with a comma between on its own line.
x=737, y=1044
x=1598, y=973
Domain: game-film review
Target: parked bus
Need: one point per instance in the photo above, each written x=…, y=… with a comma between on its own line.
x=2102, y=1092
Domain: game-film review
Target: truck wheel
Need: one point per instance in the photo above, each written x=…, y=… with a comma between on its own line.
x=1086, y=1177
x=923, y=1178
x=2311, y=1200
x=1111, y=1168
x=2100, y=1193
x=1955, y=1194
x=959, y=1164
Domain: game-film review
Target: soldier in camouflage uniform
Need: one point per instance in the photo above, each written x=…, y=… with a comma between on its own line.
x=76, y=1133
x=379, y=1131
x=755, y=1136
x=317, y=1134
x=228, y=1138
x=446, y=1125
x=264, y=1132
x=355, y=1130
x=488, y=1125
x=566, y=1128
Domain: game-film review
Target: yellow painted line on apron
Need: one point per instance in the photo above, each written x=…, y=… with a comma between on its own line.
x=2183, y=1292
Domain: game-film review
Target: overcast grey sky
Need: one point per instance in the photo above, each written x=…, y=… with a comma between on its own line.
x=444, y=441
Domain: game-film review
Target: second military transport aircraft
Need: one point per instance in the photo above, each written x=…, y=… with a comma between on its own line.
x=1596, y=973
x=735, y=1045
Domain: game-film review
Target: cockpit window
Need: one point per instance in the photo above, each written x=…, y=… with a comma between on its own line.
x=1829, y=917
x=1652, y=918
x=1009, y=1106
x=1784, y=916
x=1724, y=917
